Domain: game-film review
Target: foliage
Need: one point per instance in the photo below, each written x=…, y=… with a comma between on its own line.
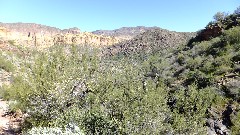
x=237, y=11
x=219, y=16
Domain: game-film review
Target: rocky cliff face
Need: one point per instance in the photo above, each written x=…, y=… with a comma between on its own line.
x=41, y=36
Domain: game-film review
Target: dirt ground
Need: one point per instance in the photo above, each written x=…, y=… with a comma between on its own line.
x=9, y=123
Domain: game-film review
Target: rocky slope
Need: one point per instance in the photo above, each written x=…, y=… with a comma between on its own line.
x=150, y=41
x=124, y=32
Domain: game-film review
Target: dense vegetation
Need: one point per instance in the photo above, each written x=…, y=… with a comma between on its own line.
x=71, y=90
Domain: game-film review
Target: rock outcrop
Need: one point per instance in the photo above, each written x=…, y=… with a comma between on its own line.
x=210, y=32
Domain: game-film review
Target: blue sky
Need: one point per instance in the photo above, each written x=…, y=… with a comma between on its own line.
x=90, y=15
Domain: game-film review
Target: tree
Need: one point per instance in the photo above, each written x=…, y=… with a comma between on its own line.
x=237, y=11
x=220, y=16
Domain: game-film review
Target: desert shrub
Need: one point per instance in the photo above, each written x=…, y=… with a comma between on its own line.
x=200, y=48
x=224, y=60
x=180, y=59
x=208, y=66
x=194, y=63
x=215, y=49
x=223, y=69
x=201, y=79
x=6, y=64
x=12, y=42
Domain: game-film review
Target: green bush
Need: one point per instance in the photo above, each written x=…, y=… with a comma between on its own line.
x=11, y=42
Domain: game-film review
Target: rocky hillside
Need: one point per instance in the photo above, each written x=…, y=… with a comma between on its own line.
x=124, y=32
x=150, y=41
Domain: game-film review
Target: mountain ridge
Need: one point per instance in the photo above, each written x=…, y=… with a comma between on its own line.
x=42, y=36
x=33, y=34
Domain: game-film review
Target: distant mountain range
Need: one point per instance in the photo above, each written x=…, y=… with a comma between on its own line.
x=124, y=32
x=37, y=28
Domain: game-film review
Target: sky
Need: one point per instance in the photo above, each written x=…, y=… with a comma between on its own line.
x=90, y=15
